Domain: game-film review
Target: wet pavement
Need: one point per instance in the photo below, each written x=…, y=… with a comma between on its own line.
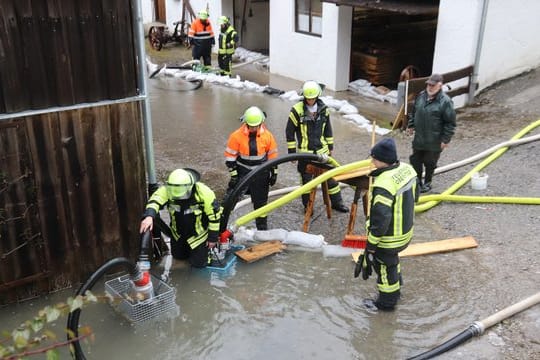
x=297, y=304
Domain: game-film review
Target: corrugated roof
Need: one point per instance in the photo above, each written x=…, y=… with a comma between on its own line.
x=419, y=7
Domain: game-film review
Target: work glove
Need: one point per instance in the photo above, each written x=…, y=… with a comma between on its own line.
x=273, y=177
x=233, y=181
x=234, y=177
x=364, y=265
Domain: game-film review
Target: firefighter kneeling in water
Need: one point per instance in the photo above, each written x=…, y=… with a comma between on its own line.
x=390, y=224
x=194, y=212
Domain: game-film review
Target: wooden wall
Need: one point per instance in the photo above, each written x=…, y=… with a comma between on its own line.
x=63, y=52
x=72, y=182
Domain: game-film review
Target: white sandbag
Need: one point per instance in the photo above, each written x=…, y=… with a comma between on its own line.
x=272, y=234
x=304, y=239
x=243, y=235
x=337, y=251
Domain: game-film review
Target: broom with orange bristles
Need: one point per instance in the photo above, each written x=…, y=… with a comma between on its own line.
x=358, y=241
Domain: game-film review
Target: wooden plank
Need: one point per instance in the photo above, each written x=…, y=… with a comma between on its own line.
x=355, y=173
x=433, y=247
x=260, y=251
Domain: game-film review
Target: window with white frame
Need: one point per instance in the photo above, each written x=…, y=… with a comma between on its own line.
x=308, y=15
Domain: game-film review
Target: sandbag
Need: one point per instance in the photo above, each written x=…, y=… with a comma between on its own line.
x=304, y=239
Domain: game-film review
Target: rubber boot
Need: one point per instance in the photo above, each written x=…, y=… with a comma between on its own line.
x=261, y=223
x=337, y=203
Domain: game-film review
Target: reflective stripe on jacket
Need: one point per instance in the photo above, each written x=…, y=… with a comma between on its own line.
x=390, y=225
x=309, y=133
x=227, y=41
x=194, y=220
x=249, y=151
x=201, y=34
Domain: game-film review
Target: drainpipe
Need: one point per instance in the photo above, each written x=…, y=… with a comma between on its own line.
x=474, y=79
x=141, y=84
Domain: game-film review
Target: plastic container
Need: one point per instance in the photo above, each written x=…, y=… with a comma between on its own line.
x=479, y=181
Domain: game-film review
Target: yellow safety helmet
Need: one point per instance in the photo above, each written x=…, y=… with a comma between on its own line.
x=180, y=184
x=253, y=116
x=203, y=15
x=223, y=20
x=311, y=90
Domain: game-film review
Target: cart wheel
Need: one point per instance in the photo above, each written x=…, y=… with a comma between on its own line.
x=154, y=37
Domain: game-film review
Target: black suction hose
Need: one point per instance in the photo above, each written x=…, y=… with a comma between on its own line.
x=73, y=317
x=478, y=327
x=457, y=340
x=232, y=199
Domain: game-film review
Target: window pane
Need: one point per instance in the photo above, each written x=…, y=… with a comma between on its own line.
x=302, y=7
x=303, y=23
x=316, y=26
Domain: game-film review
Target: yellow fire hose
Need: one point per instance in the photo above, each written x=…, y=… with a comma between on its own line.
x=298, y=192
x=435, y=199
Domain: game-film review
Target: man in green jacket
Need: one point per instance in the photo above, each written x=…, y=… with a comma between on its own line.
x=195, y=214
x=433, y=122
x=390, y=223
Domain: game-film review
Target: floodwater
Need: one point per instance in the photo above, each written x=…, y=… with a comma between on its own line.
x=297, y=304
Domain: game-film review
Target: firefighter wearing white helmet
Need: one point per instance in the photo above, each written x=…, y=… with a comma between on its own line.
x=194, y=212
x=201, y=38
x=228, y=38
x=309, y=131
x=248, y=147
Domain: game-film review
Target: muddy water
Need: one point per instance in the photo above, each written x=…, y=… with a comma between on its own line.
x=294, y=305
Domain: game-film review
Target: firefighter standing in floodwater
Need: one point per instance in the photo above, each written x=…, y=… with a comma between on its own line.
x=390, y=223
x=201, y=38
x=309, y=131
x=248, y=147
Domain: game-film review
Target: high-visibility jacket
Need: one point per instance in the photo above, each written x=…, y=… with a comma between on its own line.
x=248, y=150
x=309, y=133
x=200, y=34
x=194, y=220
x=227, y=41
x=393, y=194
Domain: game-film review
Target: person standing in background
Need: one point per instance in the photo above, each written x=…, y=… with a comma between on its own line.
x=201, y=38
x=228, y=38
x=433, y=123
x=309, y=131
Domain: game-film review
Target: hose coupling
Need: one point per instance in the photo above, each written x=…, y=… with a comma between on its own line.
x=477, y=328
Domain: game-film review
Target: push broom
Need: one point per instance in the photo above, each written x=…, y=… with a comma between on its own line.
x=358, y=241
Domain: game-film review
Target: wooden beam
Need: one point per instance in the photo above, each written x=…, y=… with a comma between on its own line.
x=433, y=247
x=259, y=251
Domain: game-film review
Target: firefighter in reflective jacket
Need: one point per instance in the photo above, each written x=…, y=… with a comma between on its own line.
x=228, y=37
x=248, y=147
x=194, y=212
x=390, y=224
x=201, y=38
x=309, y=131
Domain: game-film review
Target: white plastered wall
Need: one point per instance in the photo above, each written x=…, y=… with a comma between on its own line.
x=304, y=57
x=510, y=43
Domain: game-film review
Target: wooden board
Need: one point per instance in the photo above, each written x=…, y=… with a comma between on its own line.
x=433, y=247
x=259, y=251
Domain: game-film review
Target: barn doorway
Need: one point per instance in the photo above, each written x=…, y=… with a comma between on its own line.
x=390, y=40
